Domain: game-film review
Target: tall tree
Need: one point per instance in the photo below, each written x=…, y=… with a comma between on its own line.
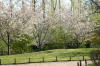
x=40, y=26
x=11, y=22
x=33, y=5
x=5, y=26
x=43, y=8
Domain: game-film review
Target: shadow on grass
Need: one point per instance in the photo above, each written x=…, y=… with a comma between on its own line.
x=98, y=64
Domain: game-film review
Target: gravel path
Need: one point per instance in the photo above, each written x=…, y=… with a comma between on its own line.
x=70, y=63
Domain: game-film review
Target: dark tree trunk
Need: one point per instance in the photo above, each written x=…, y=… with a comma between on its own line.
x=8, y=49
x=40, y=46
x=77, y=43
x=8, y=35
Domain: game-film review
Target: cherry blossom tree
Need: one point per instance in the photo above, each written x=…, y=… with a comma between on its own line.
x=33, y=18
x=12, y=22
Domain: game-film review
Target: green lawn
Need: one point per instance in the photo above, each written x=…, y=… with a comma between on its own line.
x=49, y=55
x=94, y=64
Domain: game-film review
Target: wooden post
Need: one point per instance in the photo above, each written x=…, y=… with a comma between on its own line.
x=94, y=61
x=2, y=53
x=77, y=63
x=29, y=60
x=56, y=59
x=15, y=61
x=85, y=62
x=0, y=61
x=80, y=63
x=83, y=58
x=43, y=59
x=70, y=58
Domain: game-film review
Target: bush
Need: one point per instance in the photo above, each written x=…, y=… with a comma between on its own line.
x=54, y=46
x=88, y=44
x=33, y=48
x=95, y=56
x=20, y=45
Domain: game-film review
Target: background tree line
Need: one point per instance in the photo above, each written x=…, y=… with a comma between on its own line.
x=33, y=25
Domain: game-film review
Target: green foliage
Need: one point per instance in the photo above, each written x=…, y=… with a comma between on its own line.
x=88, y=44
x=96, y=37
x=83, y=45
x=73, y=44
x=3, y=46
x=59, y=40
x=21, y=44
x=95, y=56
x=33, y=48
x=54, y=46
x=95, y=17
x=59, y=35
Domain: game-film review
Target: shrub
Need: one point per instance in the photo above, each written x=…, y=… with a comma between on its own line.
x=95, y=56
x=21, y=44
x=33, y=47
x=53, y=46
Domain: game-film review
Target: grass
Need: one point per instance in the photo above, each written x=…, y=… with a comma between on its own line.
x=49, y=55
x=94, y=64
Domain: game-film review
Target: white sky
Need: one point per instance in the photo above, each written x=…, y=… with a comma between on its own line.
x=64, y=3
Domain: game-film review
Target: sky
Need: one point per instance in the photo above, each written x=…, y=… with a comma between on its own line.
x=64, y=3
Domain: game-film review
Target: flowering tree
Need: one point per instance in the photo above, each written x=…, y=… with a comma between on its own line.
x=11, y=23
x=33, y=18
x=75, y=23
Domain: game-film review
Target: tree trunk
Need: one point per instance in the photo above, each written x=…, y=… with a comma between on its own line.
x=59, y=4
x=33, y=5
x=8, y=35
x=40, y=46
x=43, y=8
x=8, y=49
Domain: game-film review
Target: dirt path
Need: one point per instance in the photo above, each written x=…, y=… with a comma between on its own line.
x=70, y=63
